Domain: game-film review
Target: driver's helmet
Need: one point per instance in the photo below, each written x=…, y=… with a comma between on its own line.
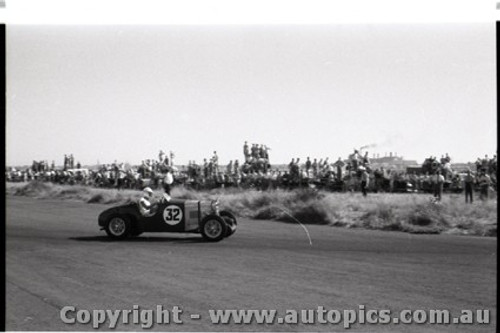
x=147, y=192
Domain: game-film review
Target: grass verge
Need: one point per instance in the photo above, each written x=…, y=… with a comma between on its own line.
x=413, y=213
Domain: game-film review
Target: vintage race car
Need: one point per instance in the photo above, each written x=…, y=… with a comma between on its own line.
x=169, y=215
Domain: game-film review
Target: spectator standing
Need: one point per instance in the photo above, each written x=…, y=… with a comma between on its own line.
x=469, y=186
x=354, y=160
x=438, y=185
x=254, y=151
x=215, y=163
x=365, y=180
x=172, y=156
x=205, y=168
x=484, y=184
x=262, y=153
x=308, y=165
x=211, y=169
x=392, y=178
x=120, y=177
x=236, y=167
x=266, y=153
x=478, y=164
x=237, y=176
x=314, y=166
x=339, y=165
x=165, y=163
x=246, y=152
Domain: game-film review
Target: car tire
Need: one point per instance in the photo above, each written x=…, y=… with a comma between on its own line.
x=231, y=222
x=213, y=228
x=118, y=227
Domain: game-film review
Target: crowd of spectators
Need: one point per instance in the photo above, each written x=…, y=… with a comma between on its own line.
x=115, y=175
x=355, y=173
x=256, y=158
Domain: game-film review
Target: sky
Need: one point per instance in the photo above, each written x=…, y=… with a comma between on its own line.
x=123, y=92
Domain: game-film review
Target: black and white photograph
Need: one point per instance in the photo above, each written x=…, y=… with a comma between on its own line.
x=210, y=171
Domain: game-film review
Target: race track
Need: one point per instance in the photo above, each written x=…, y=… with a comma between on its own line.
x=56, y=256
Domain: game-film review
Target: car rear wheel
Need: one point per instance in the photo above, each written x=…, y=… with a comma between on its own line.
x=213, y=228
x=118, y=227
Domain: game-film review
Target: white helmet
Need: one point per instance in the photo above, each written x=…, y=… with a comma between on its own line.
x=148, y=191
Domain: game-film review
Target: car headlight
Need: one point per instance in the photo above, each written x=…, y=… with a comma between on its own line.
x=215, y=206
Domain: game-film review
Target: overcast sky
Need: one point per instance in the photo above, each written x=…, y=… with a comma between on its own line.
x=122, y=93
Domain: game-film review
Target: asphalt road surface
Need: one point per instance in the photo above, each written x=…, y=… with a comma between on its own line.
x=57, y=256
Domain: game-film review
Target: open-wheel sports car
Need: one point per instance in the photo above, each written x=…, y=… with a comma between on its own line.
x=169, y=215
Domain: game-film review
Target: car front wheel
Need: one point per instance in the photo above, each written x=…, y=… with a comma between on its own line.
x=118, y=227
x=231, y=222
x=213, y=228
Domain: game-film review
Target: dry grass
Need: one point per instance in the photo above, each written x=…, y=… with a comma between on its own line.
x=414, y=213
x=76, y=192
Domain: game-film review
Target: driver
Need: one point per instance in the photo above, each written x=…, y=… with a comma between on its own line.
x=145, y=205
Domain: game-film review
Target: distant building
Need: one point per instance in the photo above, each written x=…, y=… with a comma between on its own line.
x=392, y=162
x=462, y=167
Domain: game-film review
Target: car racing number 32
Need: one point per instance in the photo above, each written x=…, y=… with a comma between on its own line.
x=172, y=214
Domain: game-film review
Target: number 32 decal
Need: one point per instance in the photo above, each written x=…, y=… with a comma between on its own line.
x=172, y=214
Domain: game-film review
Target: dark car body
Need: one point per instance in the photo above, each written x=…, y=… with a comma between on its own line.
x=173, y=215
